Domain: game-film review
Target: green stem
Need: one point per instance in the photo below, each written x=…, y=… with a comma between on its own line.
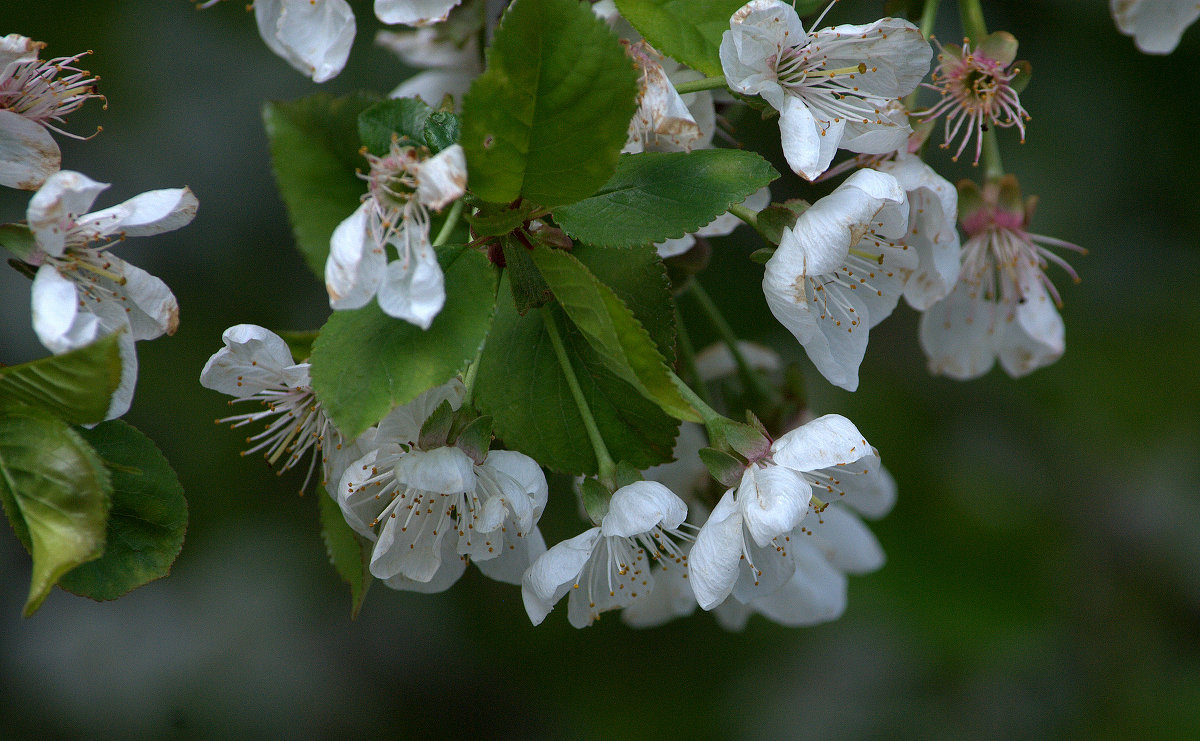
x=687, y=356
x=971, y=13
x=751, y=218
x=750, y=378
x=709, y=414
x=929, y=17
x=993, y=166
x=607, y=468
x=705, y=83
x=448, y=226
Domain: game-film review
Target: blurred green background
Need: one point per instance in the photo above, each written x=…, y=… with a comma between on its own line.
x=1044, y=555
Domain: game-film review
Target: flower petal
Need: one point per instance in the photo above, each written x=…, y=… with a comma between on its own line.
x=1033, y=333
x=28, y=154
x=555, y=572
x=253, y=359
x=413, y=288
x=441, y=471
x=831, y=440
x=356, y=264
x=413, y=12
x=510, y=565
x=957, y=333
x=843, y=539
x=152, y=212
x=57, y=319
x=59, y=203
x=773, y=501
x=816, y=593
x=403, y=424
x=714, y=558
x=442, y=178
x=314, y=37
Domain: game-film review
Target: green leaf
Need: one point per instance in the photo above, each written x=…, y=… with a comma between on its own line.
x=366, y=362
x=549, y=116
x=529, y=289
x=612, y=330
x=441, y=130
x=687, y=30
x=663, y=195
x=405, y=117
x=148, y=518
x=75, y=386
x=55, y=491
x=494, y=219
x=348, y=552
x=521, y=384
x=315, y=152
x=18, y=239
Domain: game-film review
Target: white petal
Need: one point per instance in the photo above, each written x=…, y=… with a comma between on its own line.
x=773, y=500
x=713, y=561
x=843, y=539
x=356, y=264
x=957, y=333
x=433, y=85
x=1032, y=332
x=757, y=32
x=427, y=48
x=123, y=396
x=442, y=471
x=150, y=307
x=28, y=154
x=807, y=149
x=831, y=440
x=526, y=472
x=314, y=37
x=412, y=536
x=671, y=598
x=413, y=12
x=53, y=210
x=674, y=247
x=152, y=212
x=555, y=572
x=816, y=593
x=894, y=50
x=510, y=565
x=933, y=209
x=764, y=570
x=637, y=508
x=359, y=504
x=449, y=571
x=253, y=359
x=57, y=319
x=1156, y=25
x=716, y=361
x=442, y=178
x=732, y=615
x=413, y=288
x=16, y=49
x=726, y=223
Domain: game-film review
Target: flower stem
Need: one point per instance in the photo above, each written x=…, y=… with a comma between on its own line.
x=687, y=356
x=607, y=468
x=993, y=166
x=705, y=83
x=751, y=218
x=443, y=234
x=707, y=413
x=929, y=17
x=750, y=378
x=971, y=13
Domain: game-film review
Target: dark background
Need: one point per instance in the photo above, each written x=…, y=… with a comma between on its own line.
x=1044, y=555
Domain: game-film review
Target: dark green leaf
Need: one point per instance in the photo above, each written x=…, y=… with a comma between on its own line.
x=148, y=518
x=522, y=386
x=612, y=330
x=366, y=362
x=549, y=116
x=655, y=196
x=75, y=386
x=494, y=219
x=315, y=152
x=687, y=30
x=55, y=491
x=529, y=289
x=348, y=552
x=300, y=342
x=404, y=117
x=441, y=130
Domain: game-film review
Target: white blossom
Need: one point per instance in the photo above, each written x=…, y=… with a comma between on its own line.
x=608, y=567
x=403, y=186
x=429, y=512
x=314, y=36
x=1155, y=25
x=449, y=67
x=932, y=231
x=748, y=546
x=256, y=365
x=1003, y=305
x=413, y=12
x=833, y=87
x=841, y=270
x=81, y=291
x=35, y=96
